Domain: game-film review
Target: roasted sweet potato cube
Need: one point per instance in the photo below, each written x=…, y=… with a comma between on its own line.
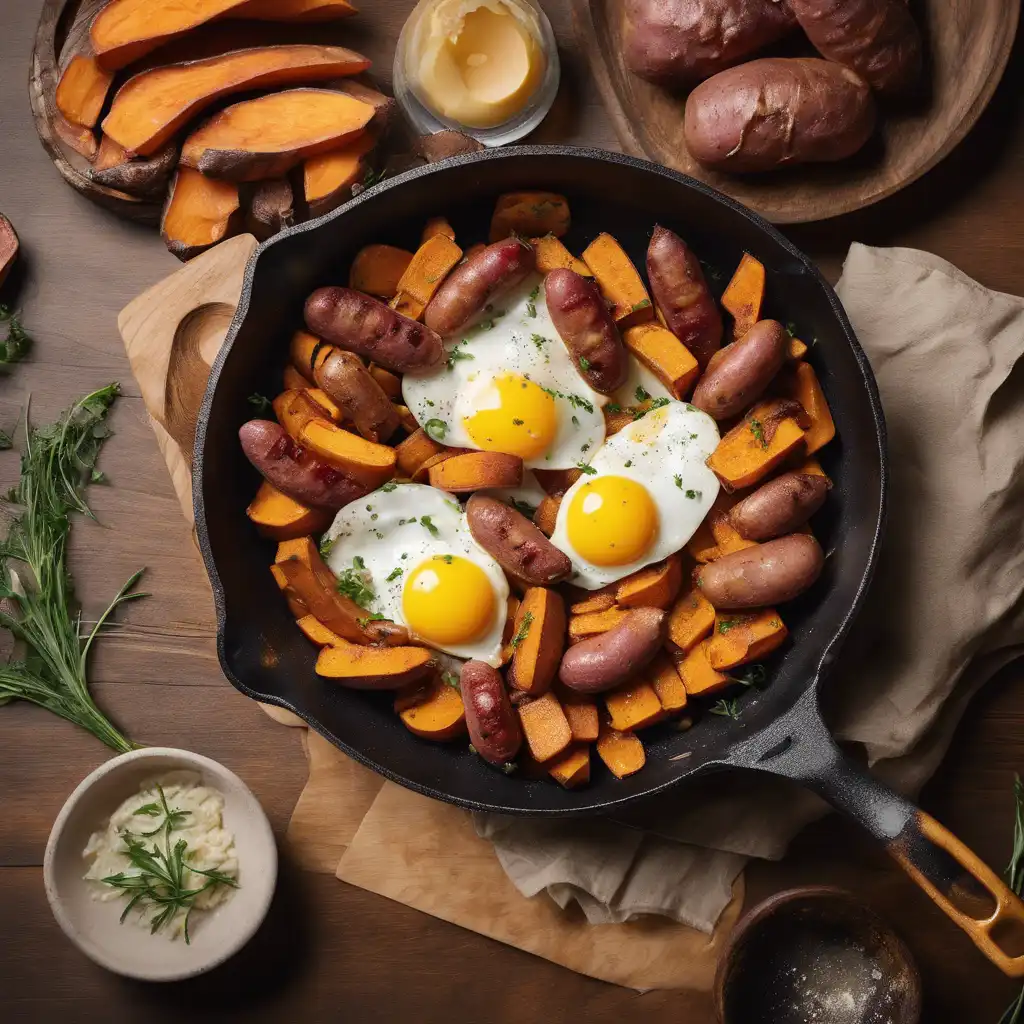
x=805, y=388
x=530, y=214
x=476, y=471
x=582, y=626
x=377, y=269
x=619, y=281
x=430, y=265
x=727, y=538
x=415, y=450
x=432, y=710
x=572, y=768
x=538, y=641
x=545, y=727
x=633, y=705
x=699, y=678
x=437, y=226
x=373, y=668
x=280, y=517
x=664, y=355
x=739, y=639
x=766, y=436
x=552, y=255
x=653, y=587
x=308, y=352
x=581, y=714
x=692, y=618
x=597, y=601
x=622, y=752
x=547, y=514
x=795, y=349
x=370, y=463
x=667, y=683
x=744, y=295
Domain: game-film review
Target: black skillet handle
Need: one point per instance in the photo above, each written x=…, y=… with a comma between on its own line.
x=798, y=746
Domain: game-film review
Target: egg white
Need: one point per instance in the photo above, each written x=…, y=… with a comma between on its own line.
x=386, y=529
x=517, y=336
x=665, y=451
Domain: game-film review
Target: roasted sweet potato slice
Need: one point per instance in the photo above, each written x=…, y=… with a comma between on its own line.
x=795, y=349
x=145, y=176
x=437, y=226
x=634, y=705
x=739, y=639
x=619, y=281
x=545, y=727
x=667, y=683
x=416, y=450
x=390, y=383
x=477, y=471
x=769, y=433
x=538, y=641
x=653, y=587
x=702, y=546
x=697, y=673
x=432, y=710
x=581, y=714
x=308, y=352
x=597, y=601
x=150, y=108
x=294, y=409
x=552, y=255
x=547, y=514
x=199, y=213
x=692, y=618
x=271, y=209
x=430, y=265
x=316, y=632
x=377, y=269
x=622, y=752
x=572, y=768
x=266, y=137
x=530, y=214
x=369, y=463
x=594, y=623
x=664, y=355
x=282, y=518
x=744, y=295
x=803, y=386
x=328, y=178
x=125, y=30
x=374, y=668
x=9, y=246
x=82, y=91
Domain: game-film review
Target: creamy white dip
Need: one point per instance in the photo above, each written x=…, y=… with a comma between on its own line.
x=200, y=823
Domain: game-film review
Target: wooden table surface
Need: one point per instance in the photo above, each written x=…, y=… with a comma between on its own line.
x=328, y=951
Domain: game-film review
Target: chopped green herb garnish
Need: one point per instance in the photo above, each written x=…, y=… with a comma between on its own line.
x=450, y=679
x=584, y=468
x=679, y=481
x=326, y=543
x=642, y=304
x=613, y=407
x=355, y=583
x=523, y=507
x=436, y=429
x=457, y=354
x=539, y=340
x=725, y=625
x=694, y=495
x=628, y=463
x=389, y=487
x=453, y=505
x=516, y=422
x=641, y=394
x=584, y=363
x=575, y=421
x=751, y=675
x=262, y=404
x=430, y=527
x=16, y=345
x=522, y=631
x=447, y=559
x=727, y=709
x=757, y=429
x=579, y=403
x=509, y=767
x=394, y=574
x=531, y=308
x=372, y=617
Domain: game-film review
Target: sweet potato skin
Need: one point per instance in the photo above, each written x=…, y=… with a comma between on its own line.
x=363, y=325
x=876, y=38
x=604, y=661
x=476, y=282
x=515, y=543
x=477, y=471
x=778, y=111
x=742, y=371
x=9, y=247
x=779, y=507
x=345, y=379
x=272, y=208
x=585, y=325
x=682, y=295
x=763, y=575
x=293, y=471
x=675, y=43
x=493, y=725
x=145, y=177
x=371, y=668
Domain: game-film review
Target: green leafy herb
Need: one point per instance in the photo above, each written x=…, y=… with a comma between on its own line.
x=694, y=495
x=1015, y=879
x=453, y=505
x=539, y=340
x=355, y=583
x=436, y=429
x=531, y=308
x=510, y=767
x=757, y=429
x=393, y=575
x=642, y=304
x=584, y=363
x=727, y=709
x=389, y=487
x=516, y=422
x=457, y=354
x=261, y=404
x=447, y=559
x=679, y=481
x=41, y=611
x=584, y=468
x=751, y=675
x=641, y=394
x=523, y=507
x=579, y=403
x=522, y=632
x=160, y=879
x=6, y=441
x=17, y=342
x=627, y=463
x=372, y=177
x=575, y=421
x=725, y=625
x=372, y=617
x=326, y=544
x=450, y=679
x=425, y=521
x=613, y=407
x=791, y=328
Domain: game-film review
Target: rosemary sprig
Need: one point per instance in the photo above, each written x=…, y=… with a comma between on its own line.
x=39, y=606
x=159, y=880
x=1015, y=879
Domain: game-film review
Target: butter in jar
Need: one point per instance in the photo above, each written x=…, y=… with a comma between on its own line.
x=488, y=68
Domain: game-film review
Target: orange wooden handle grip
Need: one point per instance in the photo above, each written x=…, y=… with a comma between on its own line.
x=917, y=841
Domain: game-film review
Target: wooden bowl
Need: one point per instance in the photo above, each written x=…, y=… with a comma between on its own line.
x=968, y=44
x=816, y=954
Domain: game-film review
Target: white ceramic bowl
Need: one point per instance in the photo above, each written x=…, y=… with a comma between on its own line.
x=126, y=948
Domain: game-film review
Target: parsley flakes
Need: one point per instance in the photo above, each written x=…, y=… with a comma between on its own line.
x=436, y=429
x=522, y=632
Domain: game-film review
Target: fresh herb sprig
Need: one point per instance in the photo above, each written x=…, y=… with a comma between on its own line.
x=17, y=342
x=159, y=878
x=1015, y=879
x=39, y=606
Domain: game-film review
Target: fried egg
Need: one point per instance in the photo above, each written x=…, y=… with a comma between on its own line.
x=509, y=385
x=405, y=552
x=646, y=491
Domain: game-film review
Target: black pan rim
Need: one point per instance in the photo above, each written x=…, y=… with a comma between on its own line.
x=607, y=806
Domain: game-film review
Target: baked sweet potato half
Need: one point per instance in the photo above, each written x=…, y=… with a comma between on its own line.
x=200, y=212
x=144, y=176
x=82, y=90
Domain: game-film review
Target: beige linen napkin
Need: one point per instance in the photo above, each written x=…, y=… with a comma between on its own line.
x=944, y=613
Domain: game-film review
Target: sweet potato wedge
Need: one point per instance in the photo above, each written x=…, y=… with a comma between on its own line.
x=75, y=137
x=279, y=517
x=744, y=295
x=369, y=463
x=595, y=623
x=538, y=640
x=328, y=178
x=739, y=638
x=545, y=727
x=653, y=587
x=622, y=752
x=619, y=281
x=199, y=213
x=727, y=538
x=82, y=91
x=795, y=349
x=374, y=668
x=145, y=176
x=437, y=226
x=581, y=715
x=266, y=137
x=430, y=265
x=667, y=684
x=804, y=387
x=317, y=633
x=377, y=269
x=664, y=355
x=477, y=471
x=634, y=705
x=9, y=246
x=691, y=619
x=271, y=209
x=572, y=768
x=597, y=601
x=769, y=433
x=331, y=409
x=390, y=383
x=698, y=675
x=552, y=255
x=432, y=710
x=150, y=108
x=414, y=451
x=530, y=214
x=125, y=30
x=546, y=515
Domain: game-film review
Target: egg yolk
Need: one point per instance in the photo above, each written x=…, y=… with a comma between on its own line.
x=524, y=421
x=448, y=600
x=612, y=521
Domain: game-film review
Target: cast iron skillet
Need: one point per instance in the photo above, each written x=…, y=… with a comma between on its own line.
x=781, y=732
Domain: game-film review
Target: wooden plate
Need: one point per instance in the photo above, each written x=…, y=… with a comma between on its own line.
x=969, y=43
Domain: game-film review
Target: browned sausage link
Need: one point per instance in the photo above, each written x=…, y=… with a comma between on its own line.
x=293, y=470
x=363, y=325
x=739, y=373
x=493, y=726
x=586, y=326
x=780, y=506
x=604, y=661
x=766, y=574
x=682, y=295
x=344, y=377
x=472, y=285
x=515, y=543
x=879, y=39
